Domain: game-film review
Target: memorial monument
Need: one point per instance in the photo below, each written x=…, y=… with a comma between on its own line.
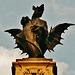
x=34, y=39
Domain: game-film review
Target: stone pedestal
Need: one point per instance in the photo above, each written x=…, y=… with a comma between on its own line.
x=34, y=66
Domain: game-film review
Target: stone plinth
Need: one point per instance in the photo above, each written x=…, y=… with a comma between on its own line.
x=34, y=66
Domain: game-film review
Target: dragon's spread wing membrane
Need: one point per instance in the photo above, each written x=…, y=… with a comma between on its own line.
x=54, y=36
x=13, y=32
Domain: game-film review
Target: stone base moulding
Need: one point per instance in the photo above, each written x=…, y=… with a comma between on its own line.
x=34, y=66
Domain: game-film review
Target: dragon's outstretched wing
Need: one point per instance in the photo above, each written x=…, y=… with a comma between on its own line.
x=54, y=36
x=16, y=32
x=13, y=32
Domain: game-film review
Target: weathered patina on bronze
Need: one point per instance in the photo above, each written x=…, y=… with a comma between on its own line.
x=35, y=39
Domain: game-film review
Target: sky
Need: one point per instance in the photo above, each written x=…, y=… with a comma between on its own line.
x=56, y=12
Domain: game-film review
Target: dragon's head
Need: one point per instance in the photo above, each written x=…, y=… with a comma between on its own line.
x=38, y=11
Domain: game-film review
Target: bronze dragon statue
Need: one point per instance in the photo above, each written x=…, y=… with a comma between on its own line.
x=35, y=39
